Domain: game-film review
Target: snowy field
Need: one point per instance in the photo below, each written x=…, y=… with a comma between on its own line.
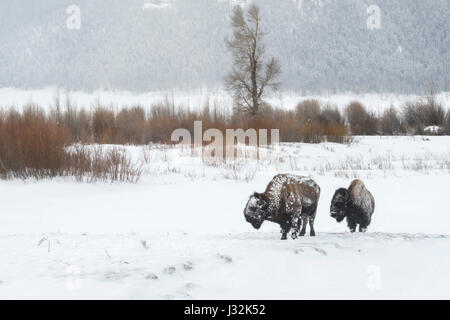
x=180, y=232
x=194, y=99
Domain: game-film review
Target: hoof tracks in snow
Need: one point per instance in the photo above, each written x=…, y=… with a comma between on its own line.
x=151, y=276
x=225, y=258
x=302, y=248
x=170, y=270
x=188, y=266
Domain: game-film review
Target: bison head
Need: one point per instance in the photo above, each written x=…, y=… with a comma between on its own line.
x=339, y=204
x=255, y=210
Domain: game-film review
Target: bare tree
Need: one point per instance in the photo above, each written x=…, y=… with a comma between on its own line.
x=250, y=75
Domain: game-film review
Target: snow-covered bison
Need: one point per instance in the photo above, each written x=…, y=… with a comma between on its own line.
x=289, y=200
x=355, y=203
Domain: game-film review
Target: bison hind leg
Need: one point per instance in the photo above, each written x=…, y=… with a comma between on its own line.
x=304, y=224
x=312, y=232
x=311, y=219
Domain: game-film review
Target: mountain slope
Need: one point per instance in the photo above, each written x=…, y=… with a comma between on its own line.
x=324, y=45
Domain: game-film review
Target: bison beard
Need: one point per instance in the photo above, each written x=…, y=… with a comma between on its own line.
x=289, y=200
x=355, y=203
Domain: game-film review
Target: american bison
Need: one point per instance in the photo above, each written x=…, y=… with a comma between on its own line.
x=289, y=200
x=355, y=203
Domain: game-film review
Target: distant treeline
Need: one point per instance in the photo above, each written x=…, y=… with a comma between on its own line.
x=34, y=143
x=309, y=122
x=324, y=46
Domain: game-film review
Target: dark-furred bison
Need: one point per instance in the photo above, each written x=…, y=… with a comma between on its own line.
x=355, y=203
x=289, y=200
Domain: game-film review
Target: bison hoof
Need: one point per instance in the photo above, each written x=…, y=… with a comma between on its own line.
x=312, y=234
x=283, y=237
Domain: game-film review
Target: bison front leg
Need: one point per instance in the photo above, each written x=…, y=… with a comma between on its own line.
x=285, y=230
x=285, y=227
x=296, y=230
x=363, y=225
x=351, y=224
x=362, y=228
x=292, y=210
x=296, y=222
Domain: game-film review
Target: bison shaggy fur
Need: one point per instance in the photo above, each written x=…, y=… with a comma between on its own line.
x=356, y=204
x=289, y=200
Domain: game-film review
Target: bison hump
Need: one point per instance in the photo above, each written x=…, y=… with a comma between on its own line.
x=361, y=197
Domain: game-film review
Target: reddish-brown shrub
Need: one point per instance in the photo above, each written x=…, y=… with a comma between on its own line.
x=34, y=146
x=390, y=123
x=104, y=125
x=337, y=133
x=312, y=132
x=31, y=145
x=357, y=117
x=289, y=128
x=308, y=111
x=330, y=115
x=371, y=125
x=131, y=125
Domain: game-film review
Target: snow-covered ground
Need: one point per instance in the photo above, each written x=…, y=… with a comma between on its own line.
x=180, y=231
x=194, y=99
